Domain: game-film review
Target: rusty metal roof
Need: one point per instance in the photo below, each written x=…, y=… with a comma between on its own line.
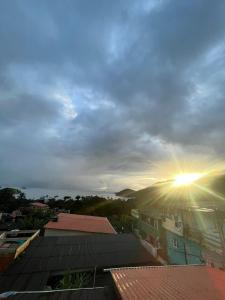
x=170, y=282
x=81, y=223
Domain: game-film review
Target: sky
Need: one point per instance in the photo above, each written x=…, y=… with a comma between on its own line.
x=104, y=95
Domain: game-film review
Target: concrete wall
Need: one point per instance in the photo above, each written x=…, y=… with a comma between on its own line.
x=177, y=255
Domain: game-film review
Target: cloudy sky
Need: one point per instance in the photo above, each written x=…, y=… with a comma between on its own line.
x=98, y=95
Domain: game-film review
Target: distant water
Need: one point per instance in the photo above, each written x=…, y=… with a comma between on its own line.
x=36, y=193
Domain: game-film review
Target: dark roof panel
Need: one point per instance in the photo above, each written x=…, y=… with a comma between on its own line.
x=51, y=255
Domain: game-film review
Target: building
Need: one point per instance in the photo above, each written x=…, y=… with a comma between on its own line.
x=206, y=227
x=39, y=205
x=12, y=244
x=181, y=249
x=181, y=230
x=170, y=282
x=72, y=224
x=149, y=228
x=48, y=259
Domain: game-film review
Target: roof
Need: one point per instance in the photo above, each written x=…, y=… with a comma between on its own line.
x=100, y=293
x=39, y=204
x=51, y=255
x=170, y=282
x=81, y=223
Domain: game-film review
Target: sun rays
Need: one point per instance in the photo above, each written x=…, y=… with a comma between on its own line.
x=186, y=178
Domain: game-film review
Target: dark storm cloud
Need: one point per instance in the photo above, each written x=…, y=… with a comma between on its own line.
x=93, y=92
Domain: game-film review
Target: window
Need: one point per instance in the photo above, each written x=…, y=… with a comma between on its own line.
x=175, y=243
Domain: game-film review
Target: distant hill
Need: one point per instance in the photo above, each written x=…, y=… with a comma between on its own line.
x=125, y=193
x=207, y=191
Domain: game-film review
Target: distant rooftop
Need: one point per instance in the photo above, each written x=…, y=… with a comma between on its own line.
x=39, y=205
x=81, y=223
x=170, y=282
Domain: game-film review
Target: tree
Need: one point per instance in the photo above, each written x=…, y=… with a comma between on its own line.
x=11, y=199
x=35, y=220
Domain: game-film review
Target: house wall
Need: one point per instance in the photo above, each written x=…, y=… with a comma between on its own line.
x=150, y=229
x=58, y=232
x=172, y=225
x=176, y=255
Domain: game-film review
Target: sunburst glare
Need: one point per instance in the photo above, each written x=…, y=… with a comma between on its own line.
x=186, y=178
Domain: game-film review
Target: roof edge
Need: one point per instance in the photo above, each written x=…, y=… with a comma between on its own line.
x=153, y=267
x=54, y=291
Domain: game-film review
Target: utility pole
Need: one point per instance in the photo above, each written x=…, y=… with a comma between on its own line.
x=94, y=276
x=184, y=237
x=219, y=226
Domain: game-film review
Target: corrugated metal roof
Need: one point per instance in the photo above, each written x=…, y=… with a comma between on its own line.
x=81, y=223
x=59, y=254
x=170, y=282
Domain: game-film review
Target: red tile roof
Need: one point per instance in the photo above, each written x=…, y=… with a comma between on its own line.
x=170, y=282
x=81, y=223
x=39, y=205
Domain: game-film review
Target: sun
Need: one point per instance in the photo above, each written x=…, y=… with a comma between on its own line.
x=186, y=178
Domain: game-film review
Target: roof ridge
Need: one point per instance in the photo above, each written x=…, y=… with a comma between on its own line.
x=80, y=215
x=82, y=223
x=155, y=267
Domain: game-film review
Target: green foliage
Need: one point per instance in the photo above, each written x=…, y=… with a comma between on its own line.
x=123, y=223
x=35, y=220
x=117, y=210
x=93, y=205
x=11, y=199
x=74, y=280
x=143, y=234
